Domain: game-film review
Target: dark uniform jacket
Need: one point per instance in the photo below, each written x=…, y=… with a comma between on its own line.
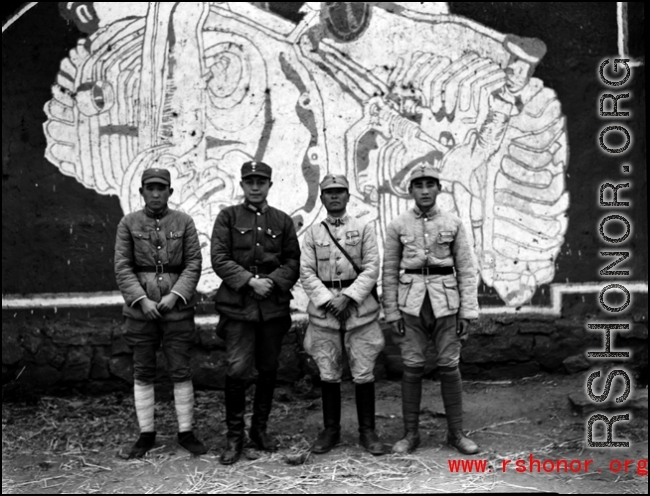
x=246, y=240
x=168, y=240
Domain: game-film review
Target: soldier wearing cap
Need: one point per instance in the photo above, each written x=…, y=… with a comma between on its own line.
x=158, y=266
x=342, y=311
x=255, y=251
x=525, y=54
x=429, y=295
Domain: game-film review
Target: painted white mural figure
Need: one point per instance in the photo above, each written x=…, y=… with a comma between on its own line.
x=360, y=88
x=194, y=87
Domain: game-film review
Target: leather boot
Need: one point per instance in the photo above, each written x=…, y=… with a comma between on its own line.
x=457, y=439
x=331, y=435
x=235, y=408
x=144, y=444
x=261, y=410
x=365, y=395
x=411, y=398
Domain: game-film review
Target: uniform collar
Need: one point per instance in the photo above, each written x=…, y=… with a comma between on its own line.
x=419, y=214
x=150, y=214
x=338, y=221
x=263, y=209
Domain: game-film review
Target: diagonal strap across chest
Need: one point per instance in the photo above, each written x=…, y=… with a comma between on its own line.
x=356, y=268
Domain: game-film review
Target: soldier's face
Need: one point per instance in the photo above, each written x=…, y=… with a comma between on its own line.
x=256, y=189
x=425, y=191
x=335, y=200
x=518, y=74
x=156, y=196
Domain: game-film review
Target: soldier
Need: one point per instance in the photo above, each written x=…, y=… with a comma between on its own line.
x=255, y=252
x=339, y=269
x=434, y=299
x=157, y=266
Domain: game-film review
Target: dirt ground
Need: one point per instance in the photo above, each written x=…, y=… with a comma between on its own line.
x=75, y=445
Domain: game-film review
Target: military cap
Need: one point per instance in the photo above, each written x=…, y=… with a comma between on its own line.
x=255, y=169
x=424, y=170
x=530, y=50
x=332, y=181
x=156, y=176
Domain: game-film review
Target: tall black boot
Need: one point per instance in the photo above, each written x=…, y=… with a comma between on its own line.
x=451, y=385
x=331, y=435
x=235, y=408
x=261, y=410
x=365, y=395
x=411, y=398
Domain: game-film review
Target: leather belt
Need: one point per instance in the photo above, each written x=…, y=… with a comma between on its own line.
x=261, y=270
x=159, y=269
x=339, y=283
x=430, y=271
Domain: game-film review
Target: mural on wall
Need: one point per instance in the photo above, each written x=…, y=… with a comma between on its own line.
x=365, y=89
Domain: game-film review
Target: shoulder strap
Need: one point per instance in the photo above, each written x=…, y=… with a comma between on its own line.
x=345, y=253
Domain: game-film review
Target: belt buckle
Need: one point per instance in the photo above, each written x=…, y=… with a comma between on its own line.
x=340, y=283
x=425, y=271
x=160, y=269
x=253, y=270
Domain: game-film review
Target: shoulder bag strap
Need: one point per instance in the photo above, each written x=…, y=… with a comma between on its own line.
x=345, y=253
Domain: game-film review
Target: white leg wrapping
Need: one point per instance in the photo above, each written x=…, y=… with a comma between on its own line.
x=144, y=406
x=184, y=400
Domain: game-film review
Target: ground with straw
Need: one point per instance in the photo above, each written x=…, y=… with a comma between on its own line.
x=77, y=444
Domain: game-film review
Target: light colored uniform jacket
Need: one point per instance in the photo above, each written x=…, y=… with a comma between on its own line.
x=413, y=241
x=321, y=261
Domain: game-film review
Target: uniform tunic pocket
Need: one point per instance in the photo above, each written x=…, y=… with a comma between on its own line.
x=175, y=247
x=405, y=283
x=323, y=251
x=352, y=238
x=408, y=242
x=442, y=247
x=142, y=247
x=453, y=296
x=368, y=306
x=273, y=241
x=353, y=245
x=242, y=238
x=323, y=259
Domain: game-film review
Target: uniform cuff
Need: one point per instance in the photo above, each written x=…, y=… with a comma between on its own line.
x=135, y=301
x=180, y=296
x=353, y=296
x=469, y=315
x=245, y=278
x=322, y=298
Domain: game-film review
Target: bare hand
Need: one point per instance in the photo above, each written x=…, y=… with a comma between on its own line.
x=398, y=327
x=261, y=287
x=149, y=309
x=462, y=329
x=339, y=306
x=167, y=303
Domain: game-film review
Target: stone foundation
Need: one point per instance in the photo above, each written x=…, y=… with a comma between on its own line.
x=93, y=356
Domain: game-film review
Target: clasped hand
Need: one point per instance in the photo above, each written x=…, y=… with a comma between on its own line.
x=154, y=311
x=261, y=288
x=339, y=307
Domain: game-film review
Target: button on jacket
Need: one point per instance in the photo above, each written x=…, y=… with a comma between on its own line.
x=245, y=239
x=147, y=240
x=415, y=240
x=321, y=261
